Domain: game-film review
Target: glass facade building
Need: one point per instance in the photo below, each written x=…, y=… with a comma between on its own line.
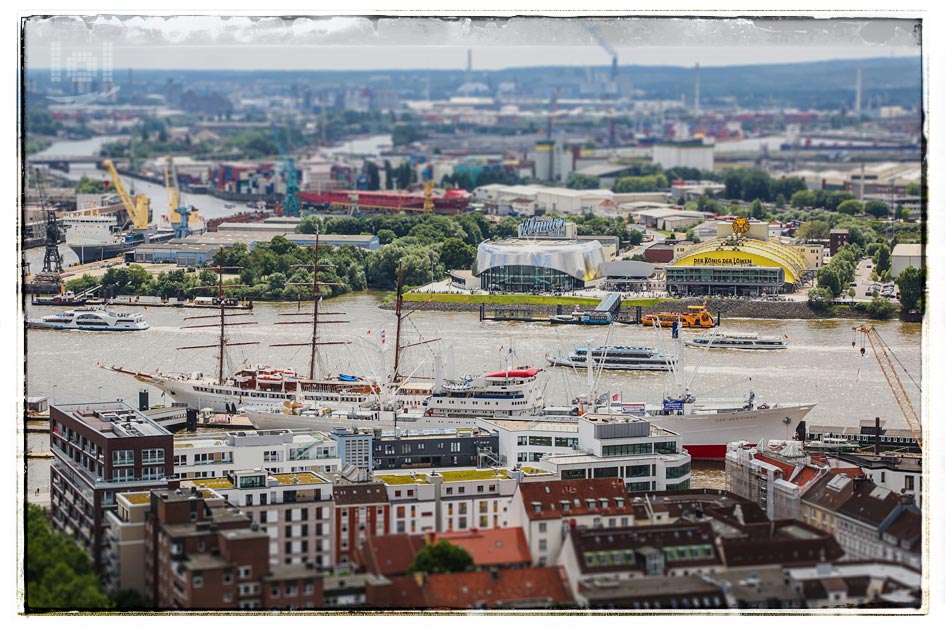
x=527, y=279
x=726, y=280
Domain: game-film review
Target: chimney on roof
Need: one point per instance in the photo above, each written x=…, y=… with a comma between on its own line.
x=876, y=435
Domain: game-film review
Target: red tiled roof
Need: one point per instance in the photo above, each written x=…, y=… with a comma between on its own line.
x=490, y=547
x=549, y=496
x=497, y=588
x=390, y=554
x=806, y=475
x=787, y=468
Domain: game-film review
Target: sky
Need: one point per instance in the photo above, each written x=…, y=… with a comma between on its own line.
x=358, y=43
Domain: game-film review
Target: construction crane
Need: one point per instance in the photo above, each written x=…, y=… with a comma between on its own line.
x=290, y=202
x=179, y=215
x=882, y=355
x=137, y=210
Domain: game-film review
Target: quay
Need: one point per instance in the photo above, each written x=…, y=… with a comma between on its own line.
x=530, y=312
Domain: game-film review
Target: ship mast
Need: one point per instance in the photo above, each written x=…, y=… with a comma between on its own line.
x=222, y=316
x=315, y=285
x=398, y=306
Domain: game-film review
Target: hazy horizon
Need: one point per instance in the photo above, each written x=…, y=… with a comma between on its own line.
x=220, y=43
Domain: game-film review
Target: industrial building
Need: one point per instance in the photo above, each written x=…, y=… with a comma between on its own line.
x=905, y=255
x=689, y=153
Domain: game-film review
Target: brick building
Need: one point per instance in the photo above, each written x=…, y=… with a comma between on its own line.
x=202, y=554
x=100, y=449
x=362, y=510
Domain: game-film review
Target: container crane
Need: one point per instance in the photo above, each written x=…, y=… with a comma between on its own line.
x=879, y=348
x=290, y=202
x=137, y=210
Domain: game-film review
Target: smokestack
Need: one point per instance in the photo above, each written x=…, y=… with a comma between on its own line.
x=696, y=90
x=858, y=92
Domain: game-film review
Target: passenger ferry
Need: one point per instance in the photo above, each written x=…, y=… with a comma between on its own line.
x=91, y=318
x=616, y=357
x=737, y=340
x=695, y=317
x=499, y=394
x=833, y=444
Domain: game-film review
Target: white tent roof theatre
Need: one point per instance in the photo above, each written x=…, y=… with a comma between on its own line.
x=582, y=260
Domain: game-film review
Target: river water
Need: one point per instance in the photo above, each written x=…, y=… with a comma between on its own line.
x=820, y=365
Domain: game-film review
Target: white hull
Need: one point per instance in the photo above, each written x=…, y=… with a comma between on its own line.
x=705, y=435
x=581, y=364
x=184, y=392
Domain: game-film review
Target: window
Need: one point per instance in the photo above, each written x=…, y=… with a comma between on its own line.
x=627, y=448
x=665, y=447
x=123, y=476
x=677, y=472
x=227, y=578
x=540, y=441
x=271, y=456
x=152, y=455
x=522, y=440
x=246, y=572
x=198, y=581
x=908, y=483
x=123, y=457
x=566, y=442
x=543, y=545
x=152, y=473
x=228, y=597
x=543, y=527
x=455, y=446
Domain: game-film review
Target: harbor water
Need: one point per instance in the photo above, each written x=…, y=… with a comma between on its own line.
x=819, y=366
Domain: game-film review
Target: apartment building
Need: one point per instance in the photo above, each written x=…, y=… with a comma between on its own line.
x=546, y=510
x=276, y=451
x=450, y=500
x=361, y=511
x=100, y=449
x=122, y=566
x=294, y=509
x=645, y=456
x=203, y=554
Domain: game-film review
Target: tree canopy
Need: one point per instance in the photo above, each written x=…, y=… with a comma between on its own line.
x=59, y=575
x=442, y=557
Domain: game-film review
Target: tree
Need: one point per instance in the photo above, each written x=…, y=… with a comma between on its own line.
x=372, y=175
x=876, y=208
x=456, y=254
x=813, y=230
x=851, y=207
x=780, y=201
x=388, y=175
x=882, y=259
x=404, y=134
x=59, y=575
x=635, y=237
x=820, y=298
x=87, y=185
x=879, y=308
x=913, y=189
x=912, y=285
x=386, y=236
x=577, y=181
x=442, y=557
x=757, y=209
x=803, y=199
x=829, y=279
x=692, y=237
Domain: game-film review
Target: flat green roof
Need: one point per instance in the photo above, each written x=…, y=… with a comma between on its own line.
x=213, y=483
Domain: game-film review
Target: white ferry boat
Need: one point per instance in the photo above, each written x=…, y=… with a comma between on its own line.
x=616, y=357
x=737, y=340
x=91, y=318
x=499, y=394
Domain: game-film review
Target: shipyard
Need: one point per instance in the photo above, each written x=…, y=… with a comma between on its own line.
x=531, y=336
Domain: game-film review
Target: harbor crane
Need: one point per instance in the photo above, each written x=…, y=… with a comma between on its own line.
x=179, y=215
x=290, y=202
x=882, y=355
x=137, y=210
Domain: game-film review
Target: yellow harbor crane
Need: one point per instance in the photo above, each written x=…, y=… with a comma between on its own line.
x=137, y=210
x=174, y=194
x=878, y=346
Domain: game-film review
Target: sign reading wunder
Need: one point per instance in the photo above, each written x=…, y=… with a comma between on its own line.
x=547, y=227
